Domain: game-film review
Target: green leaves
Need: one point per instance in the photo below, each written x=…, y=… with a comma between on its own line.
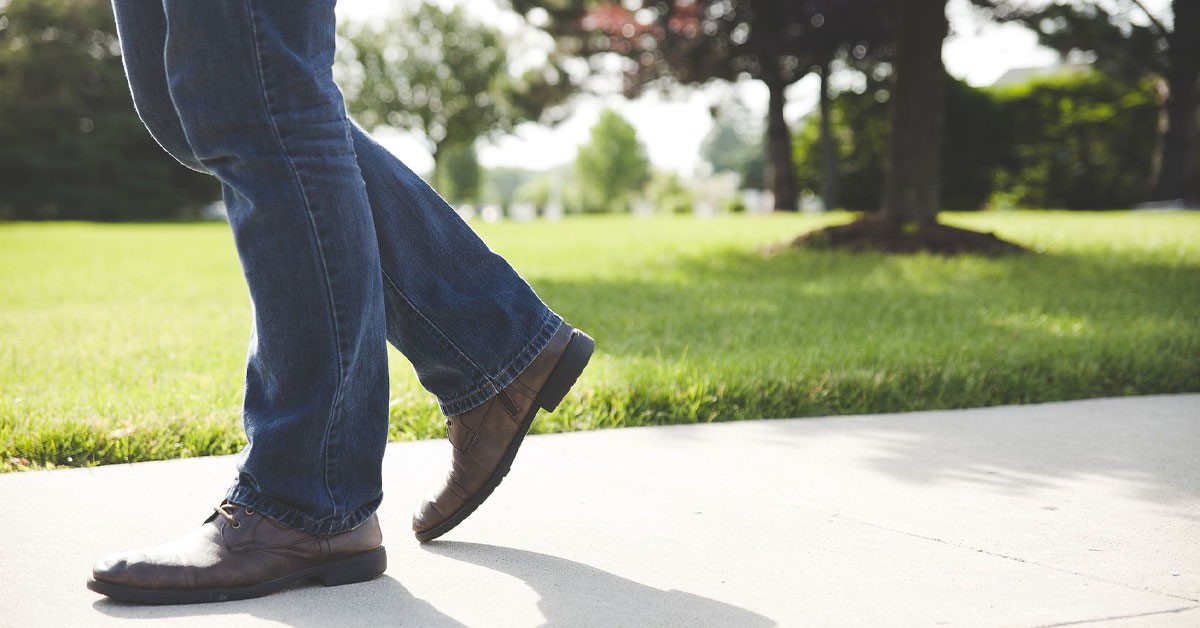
x=71, y=145
x=612, y=166
x=443, y=75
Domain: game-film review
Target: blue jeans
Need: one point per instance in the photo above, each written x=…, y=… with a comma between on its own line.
x=343, y=249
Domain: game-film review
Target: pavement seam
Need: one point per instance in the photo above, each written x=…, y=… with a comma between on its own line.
x=1182, y=609
x=1020, y=560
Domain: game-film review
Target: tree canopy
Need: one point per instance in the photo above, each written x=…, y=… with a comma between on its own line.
x=1128, y=41
x=777, y=42
x=734, y=144
x=612, y=166
x=442, y=74
x=71, y=145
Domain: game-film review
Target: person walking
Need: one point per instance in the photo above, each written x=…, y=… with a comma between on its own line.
x=343, y=249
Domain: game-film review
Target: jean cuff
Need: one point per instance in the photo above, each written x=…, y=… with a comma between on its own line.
x=479, y=395
x=243, y=495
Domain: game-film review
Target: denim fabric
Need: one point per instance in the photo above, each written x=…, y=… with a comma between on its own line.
x=343, y=247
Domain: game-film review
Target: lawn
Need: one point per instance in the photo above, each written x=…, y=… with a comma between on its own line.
x=126, y=342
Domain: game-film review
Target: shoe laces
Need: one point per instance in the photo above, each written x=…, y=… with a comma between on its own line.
x=227, y=510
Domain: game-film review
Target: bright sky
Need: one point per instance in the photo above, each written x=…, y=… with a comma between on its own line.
x=672, y=129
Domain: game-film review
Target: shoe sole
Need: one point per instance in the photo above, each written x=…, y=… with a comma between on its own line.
x=349, y=570
x=564, y=375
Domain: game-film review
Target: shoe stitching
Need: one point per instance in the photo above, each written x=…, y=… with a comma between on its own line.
x=508, y=404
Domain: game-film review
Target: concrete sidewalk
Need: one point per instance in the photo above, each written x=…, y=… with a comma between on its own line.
x=1083, y=512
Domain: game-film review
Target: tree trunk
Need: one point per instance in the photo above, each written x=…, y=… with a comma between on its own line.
x=829, y=152
x=911, y=193
x=1177, y=168
x=781, y=169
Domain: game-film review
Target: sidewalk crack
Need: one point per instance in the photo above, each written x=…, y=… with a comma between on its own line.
x=1119, y=617
x=1026, y=562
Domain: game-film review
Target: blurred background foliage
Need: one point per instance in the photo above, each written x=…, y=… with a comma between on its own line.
x=1081, y=140
x=1113, y=136
x=71, y=145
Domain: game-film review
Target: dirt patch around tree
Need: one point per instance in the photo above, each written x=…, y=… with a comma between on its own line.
x=872, y=233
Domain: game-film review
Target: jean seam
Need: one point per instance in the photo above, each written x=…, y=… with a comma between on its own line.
x=335, y=398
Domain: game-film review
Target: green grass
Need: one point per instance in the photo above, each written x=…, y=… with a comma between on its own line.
x=126, y=342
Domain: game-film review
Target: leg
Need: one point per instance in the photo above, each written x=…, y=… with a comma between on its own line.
x=476, y=333
x=469, y=324
x=264, y=116
x=251, y=85
x=462, y=316
x=142, y=28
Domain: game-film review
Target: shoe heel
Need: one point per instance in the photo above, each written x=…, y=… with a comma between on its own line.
x=354, y=569
x=575, y=357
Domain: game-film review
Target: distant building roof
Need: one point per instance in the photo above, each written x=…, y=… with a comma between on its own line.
x=1019, y=76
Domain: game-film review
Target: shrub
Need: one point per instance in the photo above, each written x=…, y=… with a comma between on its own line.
x=1076, y=142
x=861, y=128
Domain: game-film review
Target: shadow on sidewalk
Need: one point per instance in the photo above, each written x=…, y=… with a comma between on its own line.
x=380, y=602
x=574, y=594
x=1147, y=451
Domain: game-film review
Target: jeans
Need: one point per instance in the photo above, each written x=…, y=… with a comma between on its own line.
x=343, y=247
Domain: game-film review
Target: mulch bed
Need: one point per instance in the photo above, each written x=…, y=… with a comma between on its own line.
x=871, y=233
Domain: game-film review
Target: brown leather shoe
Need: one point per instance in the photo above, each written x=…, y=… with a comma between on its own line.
x=239, y=554
x=486, y=438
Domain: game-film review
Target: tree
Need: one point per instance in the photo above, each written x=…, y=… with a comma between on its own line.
x=71, y=145
x=911, y=191
x=1128, y=49
x=907, y=219
x=694, y=41
x=1179, y=167
x=1075, y=141
x=735, y=144
x=443, y=75
x=460, y=178
x=860, y=123
x=500, y=185
x=972, y=144
x=612, y=166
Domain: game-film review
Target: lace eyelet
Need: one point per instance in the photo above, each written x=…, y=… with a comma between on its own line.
x=249, y=511
x=236, y=524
